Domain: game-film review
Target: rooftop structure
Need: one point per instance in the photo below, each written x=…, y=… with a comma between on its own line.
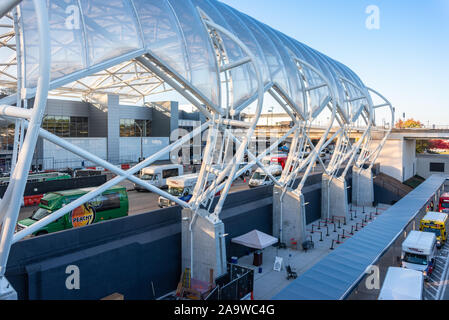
x=221, y=61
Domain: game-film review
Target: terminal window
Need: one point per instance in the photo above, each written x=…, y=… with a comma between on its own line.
x=436, y=167
x=7, y=137
x=67, y=127
x=135, y=128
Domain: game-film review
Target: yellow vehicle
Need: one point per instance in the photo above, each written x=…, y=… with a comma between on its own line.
x=435, y=222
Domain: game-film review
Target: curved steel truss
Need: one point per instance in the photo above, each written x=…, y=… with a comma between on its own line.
x=217, y=58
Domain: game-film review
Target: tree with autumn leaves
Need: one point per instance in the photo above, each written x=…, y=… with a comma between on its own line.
x=431, y=146
x=409, y=124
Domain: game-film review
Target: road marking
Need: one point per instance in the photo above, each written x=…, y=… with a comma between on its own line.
x=443, y=283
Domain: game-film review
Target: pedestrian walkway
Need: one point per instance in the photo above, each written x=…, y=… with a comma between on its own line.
x=327, y=235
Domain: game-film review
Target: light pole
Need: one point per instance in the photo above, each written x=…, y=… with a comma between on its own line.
x=270, y=111
x=141, y=141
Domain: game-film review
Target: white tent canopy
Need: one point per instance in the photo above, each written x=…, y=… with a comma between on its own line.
x=256, y=240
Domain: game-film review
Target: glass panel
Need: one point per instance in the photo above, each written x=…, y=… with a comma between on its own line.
x=311, y=77
x=203, y=68
x=67, y=41
x=272, y=58
x=162, y=35
x=132, y=128
x=352, y=108
x=243, y=86
x=244, y=34
x=332, y=76
x=291, y=70
x=111, y=29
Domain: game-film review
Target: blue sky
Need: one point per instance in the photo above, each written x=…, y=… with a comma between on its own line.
x=407, y=59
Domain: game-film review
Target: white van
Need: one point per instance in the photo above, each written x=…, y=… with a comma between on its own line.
x=248, y=171
x=181, y=187
x=419, y=251
x=158, y=175
x=259, y=177
x=402, y=284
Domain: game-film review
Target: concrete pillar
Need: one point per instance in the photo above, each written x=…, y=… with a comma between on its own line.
x=209, y=246
x=334, y=198
x=113, y=128
x=289, y=216
x=362, y=187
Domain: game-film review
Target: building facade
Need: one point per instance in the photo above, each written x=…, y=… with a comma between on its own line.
x=113, y=132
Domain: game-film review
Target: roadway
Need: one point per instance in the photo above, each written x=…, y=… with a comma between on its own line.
x=140, y=202
x=436, y=288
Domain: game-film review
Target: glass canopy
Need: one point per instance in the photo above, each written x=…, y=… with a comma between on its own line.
x=89, y=33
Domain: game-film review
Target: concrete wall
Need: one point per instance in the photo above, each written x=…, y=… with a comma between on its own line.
x=55, y=157
x=67, y=108
x=131, y=254
x=390, y=159
x=424, y=160
x=98, y=122
x=125, y=255
x=116, y=112
x=398, y=158
x=130, y=148
x=164, y=124
x=409, y=162
x=63, y=108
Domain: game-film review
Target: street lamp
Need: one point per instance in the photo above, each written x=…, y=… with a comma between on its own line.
x=270, y=111
x=141, y=141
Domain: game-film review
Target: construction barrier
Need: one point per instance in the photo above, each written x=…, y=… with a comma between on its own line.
x=32, y=200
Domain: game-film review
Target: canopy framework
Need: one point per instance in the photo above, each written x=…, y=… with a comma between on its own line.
x=217, y=58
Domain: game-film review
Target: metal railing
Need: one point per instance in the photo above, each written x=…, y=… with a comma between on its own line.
x=236, y=284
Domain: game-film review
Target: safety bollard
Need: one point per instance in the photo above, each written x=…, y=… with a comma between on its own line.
x=321, y=237
x=327, y=234
x=325, y=224
x=332, y=246
x=352, y=231
x=357, y=227
x=343, y=236
x=363, y=209
x=352, y=219
x=335, y=227
x=366, y=219
x=319, y=225
x=344, y=221
x=339, y=224
x=338, y=239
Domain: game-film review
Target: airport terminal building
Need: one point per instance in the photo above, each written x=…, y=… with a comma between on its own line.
x=114, y=132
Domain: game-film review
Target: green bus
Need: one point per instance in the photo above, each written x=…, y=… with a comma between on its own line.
x=111, y=204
